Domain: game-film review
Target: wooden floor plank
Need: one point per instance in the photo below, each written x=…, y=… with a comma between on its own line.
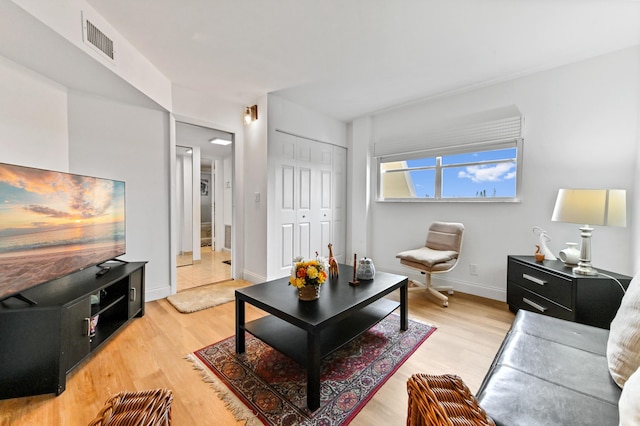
x=150, y=353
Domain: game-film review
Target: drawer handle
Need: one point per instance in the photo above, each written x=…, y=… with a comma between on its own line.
x=87, y=327
x=132, y=294
x=534, y=304
x=533, y=279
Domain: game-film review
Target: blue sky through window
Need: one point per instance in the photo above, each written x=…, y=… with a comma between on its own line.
x=468, y=180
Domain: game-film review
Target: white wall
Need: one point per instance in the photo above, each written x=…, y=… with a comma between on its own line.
x=359, y=191
x=302, y=121
x=64, y=17
x=43, y=125
x=119, y=141
x=33, y=119
x=581, y=130
x=255, y=213
x=44, y=120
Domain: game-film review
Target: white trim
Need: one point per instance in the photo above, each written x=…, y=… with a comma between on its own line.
x=444, y=280
x=252, y=277
x=157, y=293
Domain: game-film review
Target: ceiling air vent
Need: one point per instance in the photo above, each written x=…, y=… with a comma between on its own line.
x=98, y=39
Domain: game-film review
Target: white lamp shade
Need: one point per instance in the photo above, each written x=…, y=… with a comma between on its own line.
x=606, y=207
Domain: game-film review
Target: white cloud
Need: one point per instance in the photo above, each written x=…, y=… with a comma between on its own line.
x=489, y=173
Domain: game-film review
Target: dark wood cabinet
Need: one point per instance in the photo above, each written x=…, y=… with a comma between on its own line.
x=551, y=288
x=73, y=316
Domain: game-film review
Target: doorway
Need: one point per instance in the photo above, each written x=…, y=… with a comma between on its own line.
x=210, y=211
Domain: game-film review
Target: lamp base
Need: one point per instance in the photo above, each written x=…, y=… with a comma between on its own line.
x=584, y=270
x=584, y=265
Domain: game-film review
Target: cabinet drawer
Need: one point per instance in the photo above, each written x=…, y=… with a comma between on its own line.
x=547, y=285
x=521, y=298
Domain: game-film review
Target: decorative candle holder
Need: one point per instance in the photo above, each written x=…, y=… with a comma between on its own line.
x=354, y=282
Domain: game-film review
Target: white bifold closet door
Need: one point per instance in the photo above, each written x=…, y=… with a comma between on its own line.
x=310, y=184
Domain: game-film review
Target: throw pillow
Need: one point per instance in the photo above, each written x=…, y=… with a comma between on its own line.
x=628, y=405
x=623, y=346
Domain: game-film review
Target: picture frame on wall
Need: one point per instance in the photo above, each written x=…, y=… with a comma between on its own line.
x=204, y=187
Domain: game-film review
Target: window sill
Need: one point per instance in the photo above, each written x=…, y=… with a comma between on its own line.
x=449, y=200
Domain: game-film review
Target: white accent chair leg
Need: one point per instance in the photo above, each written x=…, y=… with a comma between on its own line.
x=431, y=292
x=446, y=288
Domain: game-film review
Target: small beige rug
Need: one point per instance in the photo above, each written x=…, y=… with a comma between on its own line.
x=206, y=296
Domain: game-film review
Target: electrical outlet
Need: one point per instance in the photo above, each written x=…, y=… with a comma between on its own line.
x=473, y=269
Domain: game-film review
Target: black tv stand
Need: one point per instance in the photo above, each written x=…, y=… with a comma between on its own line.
x=70, y=319
x=19, y=296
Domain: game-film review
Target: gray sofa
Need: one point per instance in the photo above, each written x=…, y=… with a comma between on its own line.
x=550, y=371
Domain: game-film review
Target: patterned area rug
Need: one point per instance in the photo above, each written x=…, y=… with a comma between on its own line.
x=264, y=386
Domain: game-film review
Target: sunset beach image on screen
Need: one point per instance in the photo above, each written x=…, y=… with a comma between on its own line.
x=54, y=223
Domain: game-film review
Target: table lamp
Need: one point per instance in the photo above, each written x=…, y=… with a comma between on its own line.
x=605, y=207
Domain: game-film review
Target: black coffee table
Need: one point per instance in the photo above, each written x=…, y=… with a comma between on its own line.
x=309, y=331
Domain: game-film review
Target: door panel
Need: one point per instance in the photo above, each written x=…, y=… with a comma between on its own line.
x=76, y=332
x=325, y=237
x=287, y=189
x=304, y=150
x=304, y=236
x=325, y=189
x=287, y=244
x=305, y=190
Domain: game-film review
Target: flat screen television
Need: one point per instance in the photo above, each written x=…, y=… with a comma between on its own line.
x=53, y=224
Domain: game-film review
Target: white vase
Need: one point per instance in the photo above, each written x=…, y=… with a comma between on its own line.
x=570, y=255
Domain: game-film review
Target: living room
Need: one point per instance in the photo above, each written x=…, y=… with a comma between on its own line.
x=581, y=130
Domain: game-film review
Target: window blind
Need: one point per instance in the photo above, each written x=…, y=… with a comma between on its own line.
x=494, y=131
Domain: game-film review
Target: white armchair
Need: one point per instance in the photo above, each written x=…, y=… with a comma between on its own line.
x=439, y=255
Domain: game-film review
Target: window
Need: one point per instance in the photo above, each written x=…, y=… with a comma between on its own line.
x=473, y=172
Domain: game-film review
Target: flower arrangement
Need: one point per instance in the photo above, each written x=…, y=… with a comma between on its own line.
x=308, y=272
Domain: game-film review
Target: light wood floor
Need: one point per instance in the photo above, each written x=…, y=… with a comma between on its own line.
x=211, y=269
x=149, y=354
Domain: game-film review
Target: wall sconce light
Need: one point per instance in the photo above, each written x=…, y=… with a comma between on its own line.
x=250, y=114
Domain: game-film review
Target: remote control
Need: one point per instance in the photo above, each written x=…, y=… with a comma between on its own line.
x=103, y=271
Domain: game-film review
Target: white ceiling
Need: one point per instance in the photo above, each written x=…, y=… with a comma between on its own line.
x=348, y=58
x=189, y=135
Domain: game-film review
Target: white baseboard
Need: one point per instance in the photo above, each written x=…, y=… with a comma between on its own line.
x=252, y=277
x=477, y=289
x=156, y=293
